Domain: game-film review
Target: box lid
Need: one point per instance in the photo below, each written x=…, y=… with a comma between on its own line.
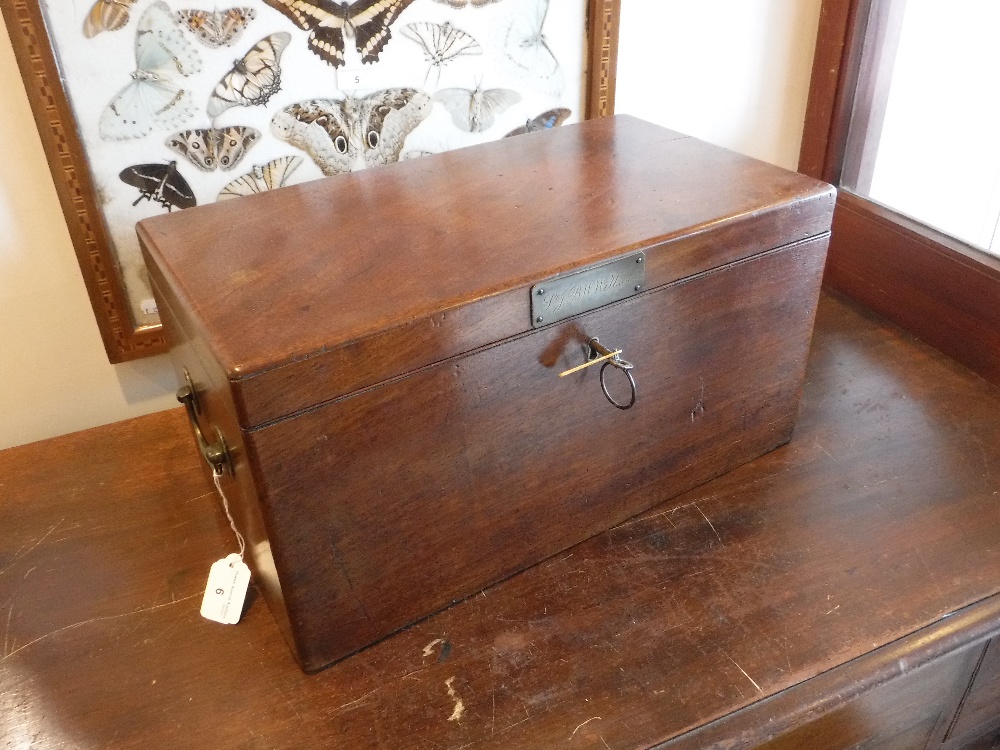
x=310, y=292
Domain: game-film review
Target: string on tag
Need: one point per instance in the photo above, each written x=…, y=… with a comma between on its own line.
x=217, y=478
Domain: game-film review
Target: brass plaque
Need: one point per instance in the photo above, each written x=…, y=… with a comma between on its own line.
x=577, y=292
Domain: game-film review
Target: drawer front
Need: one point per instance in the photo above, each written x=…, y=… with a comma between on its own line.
x=390, y=504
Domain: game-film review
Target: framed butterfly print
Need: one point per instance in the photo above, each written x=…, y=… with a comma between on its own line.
x=146, y=106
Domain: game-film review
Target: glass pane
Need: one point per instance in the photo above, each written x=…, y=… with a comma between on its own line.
x=925, y=134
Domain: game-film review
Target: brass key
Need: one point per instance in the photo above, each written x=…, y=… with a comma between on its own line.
x=600, y=353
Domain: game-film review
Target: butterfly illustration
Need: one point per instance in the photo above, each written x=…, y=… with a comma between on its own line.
x=467, y=3
x=261, y=178
x=329, y=23
x=544, y=121
x=475, y=110
x=219, y=28
x=106, y=15
x=152, y=99
x=340, y=134
x=525, y=51
x=211, y=148
x=161, y=183
x=253, y=79
x=441, y=43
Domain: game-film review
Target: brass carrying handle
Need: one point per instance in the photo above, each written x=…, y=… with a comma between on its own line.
x=217, y=453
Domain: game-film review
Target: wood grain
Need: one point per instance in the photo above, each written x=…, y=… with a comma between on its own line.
x=414, y=274
x=946, y=293
x=875, y=524
x=400, y=419
x=392, y=503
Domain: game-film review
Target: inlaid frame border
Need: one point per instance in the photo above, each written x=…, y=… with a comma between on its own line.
x=74, y=183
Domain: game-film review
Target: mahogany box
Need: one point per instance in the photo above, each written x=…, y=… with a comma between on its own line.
x=373, y=360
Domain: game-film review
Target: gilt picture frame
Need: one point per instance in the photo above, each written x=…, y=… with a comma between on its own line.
x=129, y=328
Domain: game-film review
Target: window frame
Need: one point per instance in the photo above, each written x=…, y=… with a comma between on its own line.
x=941, y=289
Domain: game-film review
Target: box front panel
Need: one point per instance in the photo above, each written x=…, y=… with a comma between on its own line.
x=387, y=505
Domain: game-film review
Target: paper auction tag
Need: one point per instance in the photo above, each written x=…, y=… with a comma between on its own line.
x=226, y=590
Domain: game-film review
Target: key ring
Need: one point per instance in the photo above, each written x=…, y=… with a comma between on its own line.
x=625, y=367
x=600, y=353
x=615, y=361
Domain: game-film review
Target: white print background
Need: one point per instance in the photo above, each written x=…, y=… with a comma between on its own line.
x=95, y=70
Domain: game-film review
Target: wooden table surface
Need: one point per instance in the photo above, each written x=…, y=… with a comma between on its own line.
x=880, y=518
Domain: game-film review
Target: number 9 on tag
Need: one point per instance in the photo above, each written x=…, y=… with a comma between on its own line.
x=226, y=590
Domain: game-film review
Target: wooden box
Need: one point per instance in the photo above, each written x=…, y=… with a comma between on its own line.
x=381, y=352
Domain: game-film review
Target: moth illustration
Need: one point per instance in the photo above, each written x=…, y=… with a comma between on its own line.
x=211, y=148
x=341, y=134
x=525, y=51
x=160, y=183
x=261, y=178
x=152, y=99
x=475, y=110
x=106, y=15
x=467, y=3
x=220, y=28
x=253, y=79
x=329, y=23
x=441, y=43
x=544, y=121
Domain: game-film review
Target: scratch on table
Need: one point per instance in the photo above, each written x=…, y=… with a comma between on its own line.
x=592, y=718
x=493, y=698
x=707, y=521
x=664, y=513
x=193, y=499
x=97, y=619
x=759, y=690
x=516, y=723
x=833, y=610
x=825, y=450
x=355, y=701
x=456, y=714
x=6, y=634
x=290, y=701
x=605, y=742
x=33, y=546
x=171, y=626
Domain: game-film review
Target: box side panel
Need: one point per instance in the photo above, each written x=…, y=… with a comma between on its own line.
x=276, y=393
x=390, y=504
x=188, y=353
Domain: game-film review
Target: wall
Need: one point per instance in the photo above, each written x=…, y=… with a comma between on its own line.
x=54, y=374
x=734, y=72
